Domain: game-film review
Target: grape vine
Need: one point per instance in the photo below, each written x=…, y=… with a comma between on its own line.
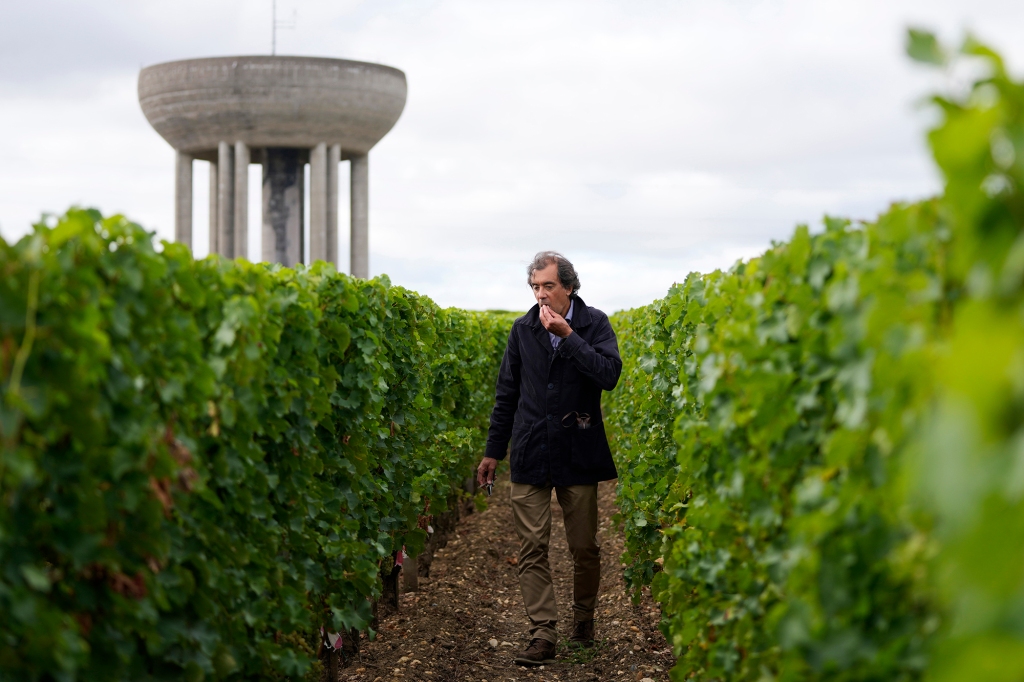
x=817, y=447
x=203, y=461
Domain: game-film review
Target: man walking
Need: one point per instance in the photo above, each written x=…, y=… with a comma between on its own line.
x=559, y=358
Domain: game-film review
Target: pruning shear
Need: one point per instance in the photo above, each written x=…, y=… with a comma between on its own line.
x=490, y=487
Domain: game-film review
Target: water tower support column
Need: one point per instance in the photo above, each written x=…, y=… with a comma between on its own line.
x=225, y=200
x=318, y=203
x=241, y=226
x=183, y=199
x=333, y=161
x=323, y=202
x=282, y=206
x=360, y=206
x=214, y=213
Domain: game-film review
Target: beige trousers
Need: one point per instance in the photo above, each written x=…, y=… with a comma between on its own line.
x=531, y=512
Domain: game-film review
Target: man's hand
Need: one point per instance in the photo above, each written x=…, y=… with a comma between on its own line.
x=485, y=472
x=554, y=322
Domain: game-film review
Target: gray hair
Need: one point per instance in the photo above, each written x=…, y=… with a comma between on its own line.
x=566, y=272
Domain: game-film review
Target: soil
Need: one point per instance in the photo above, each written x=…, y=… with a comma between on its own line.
x=466, y=619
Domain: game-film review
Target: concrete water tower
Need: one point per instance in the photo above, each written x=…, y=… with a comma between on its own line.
x=281, y=112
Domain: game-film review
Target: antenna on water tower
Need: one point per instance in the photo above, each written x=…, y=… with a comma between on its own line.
x=275, y=24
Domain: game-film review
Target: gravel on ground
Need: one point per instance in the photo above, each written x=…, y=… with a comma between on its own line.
x=466, y=621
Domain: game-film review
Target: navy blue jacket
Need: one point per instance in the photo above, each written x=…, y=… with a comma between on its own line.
x=539, y=390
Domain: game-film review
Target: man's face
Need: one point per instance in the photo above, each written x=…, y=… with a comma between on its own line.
x=549, y=291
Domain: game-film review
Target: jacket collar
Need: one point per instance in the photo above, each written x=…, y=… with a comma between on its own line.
x=580, y=315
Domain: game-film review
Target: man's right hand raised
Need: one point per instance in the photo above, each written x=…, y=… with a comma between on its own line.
x=485, y=472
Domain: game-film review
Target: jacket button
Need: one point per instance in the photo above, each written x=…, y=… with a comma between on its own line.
x=550, y=417
x=550, y=386
x=543, y=446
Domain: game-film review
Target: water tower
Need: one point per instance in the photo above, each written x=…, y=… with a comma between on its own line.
x=281, y=112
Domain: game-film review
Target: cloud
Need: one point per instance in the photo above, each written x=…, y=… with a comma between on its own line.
x=644, y=140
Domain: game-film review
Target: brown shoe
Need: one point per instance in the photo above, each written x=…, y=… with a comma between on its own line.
x=540, y=652
x=582, y=634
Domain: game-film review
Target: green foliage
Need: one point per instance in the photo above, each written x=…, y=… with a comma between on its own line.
x=967, y=470
x=204, y=459
x=924, y=47
x=841, y=495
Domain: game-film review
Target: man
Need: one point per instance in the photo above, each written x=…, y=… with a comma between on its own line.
x=559, y=358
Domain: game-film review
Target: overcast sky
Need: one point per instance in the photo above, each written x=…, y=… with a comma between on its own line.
x=644, y=139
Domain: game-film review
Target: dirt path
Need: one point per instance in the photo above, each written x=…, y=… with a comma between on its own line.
x=466, y=621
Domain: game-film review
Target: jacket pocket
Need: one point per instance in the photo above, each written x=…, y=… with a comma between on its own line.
x=520, y=438
x=589, y=448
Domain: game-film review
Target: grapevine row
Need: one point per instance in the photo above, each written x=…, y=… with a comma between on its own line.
x=205, y=461
x=818, y=448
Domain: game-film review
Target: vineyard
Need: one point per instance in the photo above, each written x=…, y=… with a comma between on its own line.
x=207, y=461
x=820, y=448
x=207, y=464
